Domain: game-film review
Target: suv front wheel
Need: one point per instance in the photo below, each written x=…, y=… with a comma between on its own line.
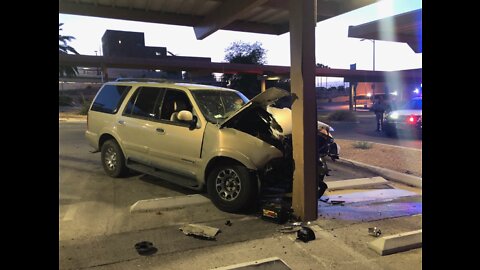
x=231, y=187
x=113, y=160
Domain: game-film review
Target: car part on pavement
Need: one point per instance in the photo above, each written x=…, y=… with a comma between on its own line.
x=275, y=212
x=333, y=202
x=202, y=231
x=305, y=234
x=145, y=248
x=374, y=231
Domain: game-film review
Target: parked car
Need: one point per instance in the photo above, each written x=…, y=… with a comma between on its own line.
x=199, y=136
x=407, y=119
x=366, y=101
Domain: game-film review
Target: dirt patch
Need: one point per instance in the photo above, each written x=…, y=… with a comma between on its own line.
x=399, y=159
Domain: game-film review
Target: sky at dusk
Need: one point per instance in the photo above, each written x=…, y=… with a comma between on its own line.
x=333, y=47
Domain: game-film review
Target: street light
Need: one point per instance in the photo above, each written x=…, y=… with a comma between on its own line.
x=373, y=41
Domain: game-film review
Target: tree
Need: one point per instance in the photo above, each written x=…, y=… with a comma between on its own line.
x=244, y=53
x=64, y=48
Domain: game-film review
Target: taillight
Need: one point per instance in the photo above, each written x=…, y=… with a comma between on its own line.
x=412, y=119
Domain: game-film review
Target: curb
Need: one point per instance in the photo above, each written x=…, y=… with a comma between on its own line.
x=397, y=243
x=62, y=119
x=386, y=173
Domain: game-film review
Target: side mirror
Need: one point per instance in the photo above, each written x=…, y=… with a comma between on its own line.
x=185, y=116
x=188, y=117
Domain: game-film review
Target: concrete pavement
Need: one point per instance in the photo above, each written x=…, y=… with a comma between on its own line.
x=98, y=231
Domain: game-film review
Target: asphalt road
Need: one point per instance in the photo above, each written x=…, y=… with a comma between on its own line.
x=365, y=130
x=98, y=231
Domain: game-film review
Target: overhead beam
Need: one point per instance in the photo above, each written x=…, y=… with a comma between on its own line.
x=127, y=14
x=405, y=27
x=151, y=16
x=204, y=64
x=226, y=13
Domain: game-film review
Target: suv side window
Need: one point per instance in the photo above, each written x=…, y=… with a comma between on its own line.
x=173, y=102
x=109, y=98
x=143, y=103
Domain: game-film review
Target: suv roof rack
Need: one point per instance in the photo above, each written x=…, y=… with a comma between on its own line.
x=143, y=80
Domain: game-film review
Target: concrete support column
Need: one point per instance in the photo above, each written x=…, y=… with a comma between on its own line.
x=262, y=85
x=350, y=97
x=304, y=108
x=104, y=73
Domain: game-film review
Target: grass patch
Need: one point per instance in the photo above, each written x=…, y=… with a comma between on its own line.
x=362, y=145
x=342, y=116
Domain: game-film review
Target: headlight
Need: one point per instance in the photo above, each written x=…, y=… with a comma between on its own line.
x=393, y=115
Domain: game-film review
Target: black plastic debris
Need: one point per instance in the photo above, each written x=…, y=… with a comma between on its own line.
x=333, y=202
x=374, y=231
x=228, y=223
x=145, y=248
x=305, y=234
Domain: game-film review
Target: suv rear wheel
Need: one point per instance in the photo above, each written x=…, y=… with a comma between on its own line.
x=231, y=187
x=113, y=160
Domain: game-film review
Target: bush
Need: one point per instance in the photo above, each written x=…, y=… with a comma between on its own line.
x=342, y=116
x=362, y=145
x=85, y=106
x=64, y=100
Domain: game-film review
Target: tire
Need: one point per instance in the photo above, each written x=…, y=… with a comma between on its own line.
x=391, y=132
x=322, y=187
x=232, y=187
x=113, y=160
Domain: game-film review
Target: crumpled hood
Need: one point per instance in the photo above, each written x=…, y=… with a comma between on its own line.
x=263, y=99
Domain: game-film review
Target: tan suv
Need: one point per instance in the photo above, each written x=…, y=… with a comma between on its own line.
x=192, y=135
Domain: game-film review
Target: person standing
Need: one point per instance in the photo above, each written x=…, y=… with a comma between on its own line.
x=379, y=109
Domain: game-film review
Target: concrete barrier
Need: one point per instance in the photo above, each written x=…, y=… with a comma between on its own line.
x=356, y=183
x=396, y=243
x=386, y=173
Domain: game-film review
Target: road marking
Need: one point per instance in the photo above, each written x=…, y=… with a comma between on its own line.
x=403, y=147
x=168, y=203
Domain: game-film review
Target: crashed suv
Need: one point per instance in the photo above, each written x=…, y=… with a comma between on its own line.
x=198, y=136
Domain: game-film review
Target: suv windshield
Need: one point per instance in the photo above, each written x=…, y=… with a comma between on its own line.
x=217, y=105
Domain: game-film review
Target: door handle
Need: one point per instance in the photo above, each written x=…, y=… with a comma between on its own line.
x=121, y=122
x=160, y=130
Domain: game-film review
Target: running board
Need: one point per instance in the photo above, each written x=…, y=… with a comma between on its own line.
x=170, y=177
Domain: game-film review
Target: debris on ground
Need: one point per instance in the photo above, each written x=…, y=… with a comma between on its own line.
x=374, y=231
x=324, y=200
x=228, y=223
x=333, y=202
x=276, y=212
x=289, y=229
x=305, y=234
x=202, y=231
x=145, y=248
